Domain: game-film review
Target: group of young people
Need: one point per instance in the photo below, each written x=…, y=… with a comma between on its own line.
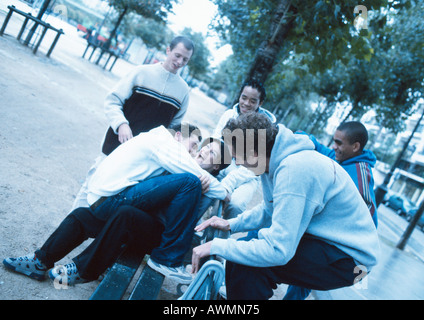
x=156, y=175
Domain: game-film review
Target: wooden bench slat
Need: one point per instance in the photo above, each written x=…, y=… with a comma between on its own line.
x=117, y=280
x=148, y=285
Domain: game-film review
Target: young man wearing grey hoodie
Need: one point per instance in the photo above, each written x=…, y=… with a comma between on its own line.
x=315, y=231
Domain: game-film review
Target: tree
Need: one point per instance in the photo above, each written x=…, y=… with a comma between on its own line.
x=153, y=9
x=400, y=65
x=155, y=34
x=378, y=68
x=322, y=28
x=199, y=63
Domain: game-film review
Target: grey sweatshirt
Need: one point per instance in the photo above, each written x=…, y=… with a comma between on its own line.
x=304, y=192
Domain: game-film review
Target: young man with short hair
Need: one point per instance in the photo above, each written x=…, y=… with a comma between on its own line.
x=314, y=228
x=348, y=149
x=150, y=96
x=135, y=175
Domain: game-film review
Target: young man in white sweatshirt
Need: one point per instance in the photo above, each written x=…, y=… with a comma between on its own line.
x=315, y=231
x=154, y=173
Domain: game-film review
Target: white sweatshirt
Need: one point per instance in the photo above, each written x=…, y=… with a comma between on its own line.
x=147, y=155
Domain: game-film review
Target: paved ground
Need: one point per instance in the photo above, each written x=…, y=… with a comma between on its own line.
x=52, y=125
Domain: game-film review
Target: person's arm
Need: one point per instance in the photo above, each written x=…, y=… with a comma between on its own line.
x=326, y=151
x=236, y=178
x=178, y=118
x=174, y=158
x=277, y=239
x=114, y=101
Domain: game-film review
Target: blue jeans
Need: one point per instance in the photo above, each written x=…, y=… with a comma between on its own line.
x=176, y=198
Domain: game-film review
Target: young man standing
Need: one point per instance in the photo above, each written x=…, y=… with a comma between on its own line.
x=314, y=228
x=150, y=96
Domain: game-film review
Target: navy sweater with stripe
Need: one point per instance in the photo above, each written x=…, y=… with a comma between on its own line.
x=148, y=97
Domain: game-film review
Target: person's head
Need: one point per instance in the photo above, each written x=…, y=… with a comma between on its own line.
x=251, y=137
x=188, y=135
x=213, y=156
x=252, y=96
x=178, y=54
x=350, y=139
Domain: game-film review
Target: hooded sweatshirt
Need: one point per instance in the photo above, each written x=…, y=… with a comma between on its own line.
x=359, y=169
x=304, y=192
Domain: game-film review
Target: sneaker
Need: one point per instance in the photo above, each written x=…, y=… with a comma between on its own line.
x=28, y=265
x=66, y=275
x=179, y=274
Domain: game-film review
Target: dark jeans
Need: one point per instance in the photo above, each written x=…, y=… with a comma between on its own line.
x=175, y=196
x=316, y=265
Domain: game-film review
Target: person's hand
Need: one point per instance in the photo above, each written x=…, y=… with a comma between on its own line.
x=206, y=181
x=214, y=222
x=124, y=133
x=200, y=252
x=227, y=199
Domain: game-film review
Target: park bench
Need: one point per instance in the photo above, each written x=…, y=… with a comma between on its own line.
x=103, y=51
x=37, y=22
x=116, y=282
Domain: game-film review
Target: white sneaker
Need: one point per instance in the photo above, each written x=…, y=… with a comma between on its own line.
x=66, y=274
x=179, y=274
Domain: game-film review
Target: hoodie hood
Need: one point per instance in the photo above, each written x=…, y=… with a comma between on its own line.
x=367, y=156
x=286, y=144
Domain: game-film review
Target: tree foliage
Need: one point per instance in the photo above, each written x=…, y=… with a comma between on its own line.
x=199, y=62
x=151, y=9
x=323, y=59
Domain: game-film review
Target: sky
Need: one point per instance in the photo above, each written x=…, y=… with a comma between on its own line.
x=197, y=14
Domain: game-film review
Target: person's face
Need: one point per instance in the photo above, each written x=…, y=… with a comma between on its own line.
x=257, y=164
x=191, y=143
x=343, y=148
x=177, y=58
x=209, y=157
x=249, y=100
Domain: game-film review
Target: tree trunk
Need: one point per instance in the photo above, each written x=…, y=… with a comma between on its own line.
x=269, y=49
x=31, y=32
x=115, y=29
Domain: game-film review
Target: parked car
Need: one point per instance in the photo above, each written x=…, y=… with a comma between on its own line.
x=411, y=214
x=400, y=204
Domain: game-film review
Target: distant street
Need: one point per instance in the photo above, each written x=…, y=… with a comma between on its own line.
x=391, y=226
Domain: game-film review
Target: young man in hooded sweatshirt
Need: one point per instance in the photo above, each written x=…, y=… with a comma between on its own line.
x=348, y=150
x=315, y=231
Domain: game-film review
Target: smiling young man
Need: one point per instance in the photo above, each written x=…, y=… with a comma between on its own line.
x=150, y=96
x=349, y=151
